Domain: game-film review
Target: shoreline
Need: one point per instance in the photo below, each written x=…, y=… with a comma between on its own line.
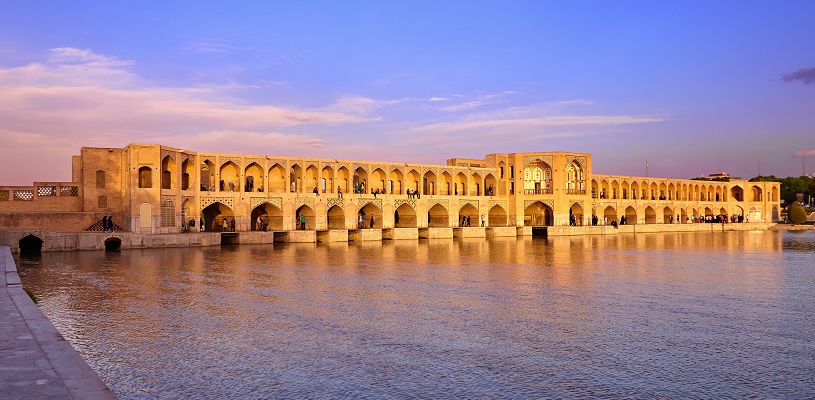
x=37, y=360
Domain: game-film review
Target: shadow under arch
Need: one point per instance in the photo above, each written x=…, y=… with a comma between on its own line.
x=214, y=216
x=30, y=244
x=113, y=244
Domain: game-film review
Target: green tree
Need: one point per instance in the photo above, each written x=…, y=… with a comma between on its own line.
x=797, y=215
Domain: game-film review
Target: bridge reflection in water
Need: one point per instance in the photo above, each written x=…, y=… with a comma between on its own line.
x=647, y=316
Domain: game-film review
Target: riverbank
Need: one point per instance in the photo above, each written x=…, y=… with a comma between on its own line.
x=37, y=362
x=44, y=240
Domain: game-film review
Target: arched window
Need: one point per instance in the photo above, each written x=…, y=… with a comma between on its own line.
x=538, y=178
x=145, y=177
x=574, y=178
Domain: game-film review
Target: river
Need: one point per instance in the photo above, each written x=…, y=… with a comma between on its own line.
x=679, y=315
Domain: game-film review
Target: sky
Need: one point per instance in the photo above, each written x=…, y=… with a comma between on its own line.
x=691, y=87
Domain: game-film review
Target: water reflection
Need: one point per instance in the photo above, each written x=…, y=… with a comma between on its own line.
x=680, y=315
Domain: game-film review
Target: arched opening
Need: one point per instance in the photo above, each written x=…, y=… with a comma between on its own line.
x=207, y=176
x=468, y=215
x=667, y=215
x=370, y=213
x=429, y=187
x=630, y=216
x=186, y=212
x=650, y=215
x=167, y=173
x=229, y=175
x=311, y=181
x=538, y=214
x=445, y=184
x=615, y=190
x=253, y=176
x=754, y=215
x=723, y=213
x=145, y=178
x=538, y=178
x=708, y=212
x=575, y=184
x=774, y=195
x=576, y=215
x=305, y=211
x=217, y=217
x=344, y=179
x=475, y=185
x=396, y=178
x=404, y=216
x=296, y=179
x=277, y=179
x=609, y=215
x=652, y=192
x=683, y=216
x=327, y=183
x=460, y=185
x=437, y=217
x=361, y=181
x=377, y=181
x=497, y=216
x=113, y=244
x=489, y=185
x=605, y=189
x=776, y=215
x=266, y=217
x=30, y=245
x=187, y=175
x=756, y=193
x=413, y=181
x=336, y=217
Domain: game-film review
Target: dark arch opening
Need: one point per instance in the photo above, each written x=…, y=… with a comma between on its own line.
x=30, y=245
x=113, y=244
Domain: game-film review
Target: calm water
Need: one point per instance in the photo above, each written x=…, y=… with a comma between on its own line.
x=727, y=315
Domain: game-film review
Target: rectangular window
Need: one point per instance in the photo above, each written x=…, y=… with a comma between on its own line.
x=71, y=191
x=24, y=195
x=44, y=191
x=512, y=188
x=502, y=172
x=511, y=172
x=167, y=213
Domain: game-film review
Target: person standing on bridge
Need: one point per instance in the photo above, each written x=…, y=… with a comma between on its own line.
x=302, y=221
x=372, y=221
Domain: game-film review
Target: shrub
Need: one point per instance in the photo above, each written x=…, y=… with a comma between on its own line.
x=797, y=214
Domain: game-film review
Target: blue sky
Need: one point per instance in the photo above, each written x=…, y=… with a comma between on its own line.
x=692, y=87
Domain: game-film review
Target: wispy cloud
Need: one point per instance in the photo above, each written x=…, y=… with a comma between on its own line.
x=807, y=153
x=804, y=75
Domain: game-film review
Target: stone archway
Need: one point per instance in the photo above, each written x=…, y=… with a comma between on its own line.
x=467, y=216
x=214, y=216
x=404, y=216
x=304, y=211
x=370, y=211
x=630, y=216
x=497, y=216
x=667, y=215
x=336, y=217
x=650, y=215
x=30, y=244
x=609, y=215
x=538, y=214
x=437, y=217
x=271, y=218
x=576, y=214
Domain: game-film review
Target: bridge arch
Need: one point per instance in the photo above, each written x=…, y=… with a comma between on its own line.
x=404, y=216
x=336, y=217
x=214, y=215
x=538, y=214
x=498, y=216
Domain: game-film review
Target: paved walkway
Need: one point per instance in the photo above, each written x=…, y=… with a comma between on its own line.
x=36, y=362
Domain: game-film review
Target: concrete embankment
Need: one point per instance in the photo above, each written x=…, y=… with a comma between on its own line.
x=37, y=362
x=45, y=240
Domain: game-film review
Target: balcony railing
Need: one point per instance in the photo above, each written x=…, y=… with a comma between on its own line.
x=537, y=191
x=575, y=191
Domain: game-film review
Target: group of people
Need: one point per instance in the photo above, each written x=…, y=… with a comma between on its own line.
x=229, y=225
x=107, y=223
x=362, y=219
x=186, y=227
x=413, y=194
